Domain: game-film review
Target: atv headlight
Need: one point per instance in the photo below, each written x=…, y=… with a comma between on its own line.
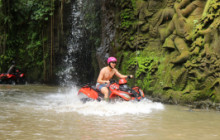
x=125, y=95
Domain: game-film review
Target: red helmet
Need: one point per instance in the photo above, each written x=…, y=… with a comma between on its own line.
x=122, y=81
x=111, y=59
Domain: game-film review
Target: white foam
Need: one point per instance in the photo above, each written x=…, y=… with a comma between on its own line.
x=69, y=102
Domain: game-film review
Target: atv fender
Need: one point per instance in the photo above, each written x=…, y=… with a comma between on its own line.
x=122, y=94
x=88, y=91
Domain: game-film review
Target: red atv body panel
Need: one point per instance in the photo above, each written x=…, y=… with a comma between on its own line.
x=91, y=93
x=11, y=76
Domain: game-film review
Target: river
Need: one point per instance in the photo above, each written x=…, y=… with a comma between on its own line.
x=51, y=112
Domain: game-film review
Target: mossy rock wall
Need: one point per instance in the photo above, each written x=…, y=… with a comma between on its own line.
x=171, y=46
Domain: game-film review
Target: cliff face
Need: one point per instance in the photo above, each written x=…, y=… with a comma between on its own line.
x=172, y=47
x=108, y=23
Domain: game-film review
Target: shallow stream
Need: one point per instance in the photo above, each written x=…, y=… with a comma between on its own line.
x=47, y=112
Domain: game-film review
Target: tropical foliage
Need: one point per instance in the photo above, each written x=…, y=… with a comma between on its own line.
x=24, y=35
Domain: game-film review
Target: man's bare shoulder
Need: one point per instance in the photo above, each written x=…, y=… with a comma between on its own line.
x=115, y=70
x=103, y=69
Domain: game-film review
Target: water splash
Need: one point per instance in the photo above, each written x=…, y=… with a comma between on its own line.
x=69, y=102
x=65, y=100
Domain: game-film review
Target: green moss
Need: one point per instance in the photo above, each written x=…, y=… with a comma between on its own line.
x=187, y=98
x=133, y=2
x=216, y=99
x=126, y=18
x=131, y=38
x=166, y=96
x=143, y=68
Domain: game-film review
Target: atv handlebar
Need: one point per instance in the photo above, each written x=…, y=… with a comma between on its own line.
x=115, y=81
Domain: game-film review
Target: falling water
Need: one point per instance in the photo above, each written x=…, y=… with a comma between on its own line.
x=82, y=37
x=68, y=74
x=81, y=34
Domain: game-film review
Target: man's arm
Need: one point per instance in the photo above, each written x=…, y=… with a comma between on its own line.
x=120, y=75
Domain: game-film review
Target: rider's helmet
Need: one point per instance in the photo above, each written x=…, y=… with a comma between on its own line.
x=122, y=81
x=111, y=59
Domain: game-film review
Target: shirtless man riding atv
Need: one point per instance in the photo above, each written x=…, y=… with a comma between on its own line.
x=106, y=74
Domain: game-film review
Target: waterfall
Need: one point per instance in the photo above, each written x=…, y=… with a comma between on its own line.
x=68, y=74
x=82, y=35
x=82, y=32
